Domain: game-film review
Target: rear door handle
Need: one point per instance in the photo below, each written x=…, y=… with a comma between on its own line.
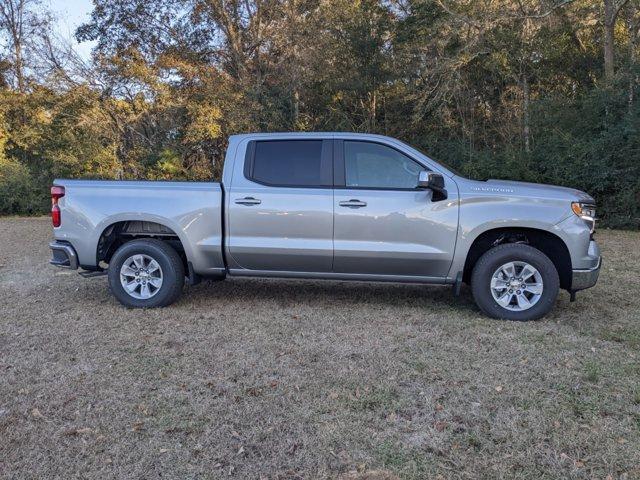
x=248, y=201
x=353, y=203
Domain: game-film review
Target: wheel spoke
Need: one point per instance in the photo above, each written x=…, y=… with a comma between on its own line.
x=144, y=291
x=128, y=271
x=153, y=266
x=535, y=288
x=131, y=286
x=505, y=299
x=527, y=272
x=498, y=283
x=156, y=282
x=139, y=261
x=523, y=302
x=509, y=270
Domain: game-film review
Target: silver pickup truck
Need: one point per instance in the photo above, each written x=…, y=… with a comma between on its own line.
x=337, y=206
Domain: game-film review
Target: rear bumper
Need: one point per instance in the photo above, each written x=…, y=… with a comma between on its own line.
x=63, y=255
x=586, y=278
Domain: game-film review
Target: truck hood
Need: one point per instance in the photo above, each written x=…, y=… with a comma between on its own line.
x=526, y=189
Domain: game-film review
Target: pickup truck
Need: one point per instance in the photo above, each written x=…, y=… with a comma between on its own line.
x=338, y=206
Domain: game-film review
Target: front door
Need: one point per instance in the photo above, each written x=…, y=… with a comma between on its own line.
x=280, y=207
x=384, y=224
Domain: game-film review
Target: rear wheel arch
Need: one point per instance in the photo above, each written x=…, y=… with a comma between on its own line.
x=548, y=243
x=118, y=233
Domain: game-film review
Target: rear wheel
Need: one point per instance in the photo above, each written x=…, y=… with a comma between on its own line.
x=515, y=282
x=146, y=273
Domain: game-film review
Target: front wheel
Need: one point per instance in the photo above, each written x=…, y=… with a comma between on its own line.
x=146, y=273
x=515, y=282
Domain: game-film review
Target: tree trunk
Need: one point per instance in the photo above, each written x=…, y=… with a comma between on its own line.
x=18, y=67
x=296, y=107
x=13, y=19
x=526, y=121
x=372, y=110
x=609, y=46
x=632, y=28
x=611, y=10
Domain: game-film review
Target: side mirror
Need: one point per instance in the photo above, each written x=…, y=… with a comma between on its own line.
x=435, y=182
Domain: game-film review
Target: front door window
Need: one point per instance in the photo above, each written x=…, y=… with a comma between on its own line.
x=372, y=165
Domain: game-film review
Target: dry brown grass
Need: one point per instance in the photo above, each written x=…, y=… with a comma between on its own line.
x=284, y=379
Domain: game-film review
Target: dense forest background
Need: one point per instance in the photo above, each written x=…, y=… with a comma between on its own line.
x=535, y=90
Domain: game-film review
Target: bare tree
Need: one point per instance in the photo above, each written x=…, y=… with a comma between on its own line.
x=611, y=11
x=633, y=25
x=20, y=23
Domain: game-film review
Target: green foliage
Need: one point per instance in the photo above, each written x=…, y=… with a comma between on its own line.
x=17, y=192
x=593, y=144
x=16, y=183
x=589, y=142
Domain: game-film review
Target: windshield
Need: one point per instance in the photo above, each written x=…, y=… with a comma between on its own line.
x=451, y=169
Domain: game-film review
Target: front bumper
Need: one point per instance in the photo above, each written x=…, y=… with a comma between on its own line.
x=586, y=278
x=63, y=255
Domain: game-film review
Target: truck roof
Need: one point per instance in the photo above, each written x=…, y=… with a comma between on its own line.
x=370, y=136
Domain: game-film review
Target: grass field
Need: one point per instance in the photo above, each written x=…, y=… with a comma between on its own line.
x=277, y=379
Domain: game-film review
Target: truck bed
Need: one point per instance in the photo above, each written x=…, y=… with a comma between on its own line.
x=190, y=210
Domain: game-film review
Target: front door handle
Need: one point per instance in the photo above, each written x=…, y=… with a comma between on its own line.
x=353, y=203
x=248, y=201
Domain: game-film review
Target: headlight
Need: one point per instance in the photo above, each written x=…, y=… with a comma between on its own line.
x=587, y=212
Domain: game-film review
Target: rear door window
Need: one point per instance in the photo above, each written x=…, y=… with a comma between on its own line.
x=291, y=163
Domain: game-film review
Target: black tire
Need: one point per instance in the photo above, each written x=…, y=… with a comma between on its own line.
x=172, y=272
x=500, y=255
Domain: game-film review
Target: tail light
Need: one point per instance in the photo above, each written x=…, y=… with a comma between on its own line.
x=56, y=194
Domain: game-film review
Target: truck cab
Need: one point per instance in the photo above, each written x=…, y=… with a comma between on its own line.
x=334, y=205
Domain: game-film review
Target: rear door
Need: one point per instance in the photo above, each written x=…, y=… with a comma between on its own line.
x=280, y=208
x=384, y=224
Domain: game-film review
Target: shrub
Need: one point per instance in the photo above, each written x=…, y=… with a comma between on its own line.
x=17, y=192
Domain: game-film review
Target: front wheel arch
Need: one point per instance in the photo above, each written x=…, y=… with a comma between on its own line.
x=548, y=243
